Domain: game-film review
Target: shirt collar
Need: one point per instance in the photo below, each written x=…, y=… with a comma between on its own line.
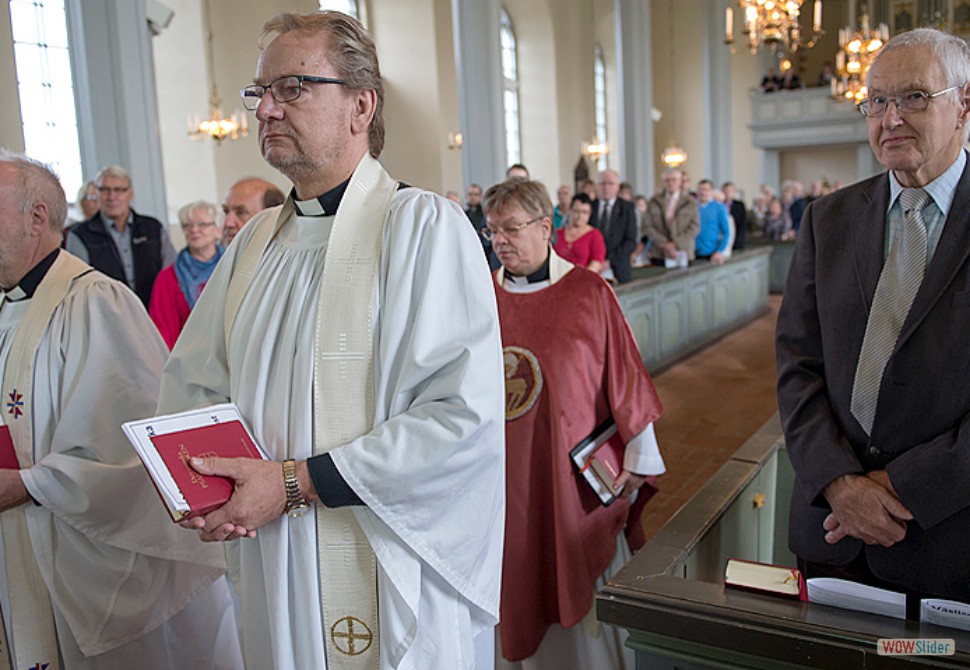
x=322, y=205
x=111, y=222
x=942, y=189
x=27, y=286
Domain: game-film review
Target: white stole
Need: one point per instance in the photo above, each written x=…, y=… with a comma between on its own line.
x=343, y=396
x=32, y=615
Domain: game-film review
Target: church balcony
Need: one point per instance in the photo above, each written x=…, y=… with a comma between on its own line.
x=806, y=130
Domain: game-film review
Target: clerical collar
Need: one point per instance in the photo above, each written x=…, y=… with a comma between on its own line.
x=540, y=275
x=322, y=205
x=27, y=286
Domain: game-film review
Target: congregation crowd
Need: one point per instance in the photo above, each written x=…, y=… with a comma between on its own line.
x=421, y=503
x=604, y=228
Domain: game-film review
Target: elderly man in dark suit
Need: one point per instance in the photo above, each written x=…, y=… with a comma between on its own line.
x=617, y=220
x=872, y=345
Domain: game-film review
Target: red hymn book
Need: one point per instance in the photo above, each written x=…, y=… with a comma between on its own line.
x=203, y=493
x=8, y=455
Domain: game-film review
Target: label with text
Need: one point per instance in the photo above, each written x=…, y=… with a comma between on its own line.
x=915, y=647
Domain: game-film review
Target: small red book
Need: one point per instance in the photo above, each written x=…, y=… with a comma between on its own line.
x=202, y=493
x=8, y=455
x=599, y=459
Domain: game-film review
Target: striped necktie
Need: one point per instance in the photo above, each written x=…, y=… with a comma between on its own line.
x=900, y=279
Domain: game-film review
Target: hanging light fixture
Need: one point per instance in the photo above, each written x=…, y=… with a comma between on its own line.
x=674, y=155
x=854, y=57
x=216, y=126
x=773, y=23
x=594, y=149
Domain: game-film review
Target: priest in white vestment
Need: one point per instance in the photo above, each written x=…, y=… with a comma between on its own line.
x=356, y=330
x=94, y=573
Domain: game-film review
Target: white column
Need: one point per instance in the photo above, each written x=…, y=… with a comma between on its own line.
x=717, y=94
x=866, y=164
x=479, y=67
x=635, y=93
x=771, y=169
x=114, y=90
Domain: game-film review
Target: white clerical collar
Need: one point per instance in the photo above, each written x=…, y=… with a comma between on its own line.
x=14, y=294
x=28, y=284
x=514, y=284
x=536, y=281
x=322, y=205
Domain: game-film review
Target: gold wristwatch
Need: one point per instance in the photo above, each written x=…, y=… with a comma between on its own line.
x=295, y=503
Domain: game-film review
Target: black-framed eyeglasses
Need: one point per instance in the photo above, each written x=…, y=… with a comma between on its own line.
x=507, y=231
x=284, y=89
x=911, y=101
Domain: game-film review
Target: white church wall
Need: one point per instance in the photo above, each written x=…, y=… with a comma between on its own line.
x=180, y=78
x=834, y=163
x=406, y=35
x=745, y=159
x=678, y=82
x=11, y=123
x=573, y=103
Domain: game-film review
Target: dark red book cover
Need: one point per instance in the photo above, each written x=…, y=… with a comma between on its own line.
x=607, y=460
x=204, y=493
x=8, y=455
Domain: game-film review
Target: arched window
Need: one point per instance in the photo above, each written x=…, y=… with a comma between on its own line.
x=510, y=90
x=46, y=87
x=345, y=6
x=599, y=90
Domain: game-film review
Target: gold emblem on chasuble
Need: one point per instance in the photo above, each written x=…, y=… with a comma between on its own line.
x=351, y=636
x=523, y=381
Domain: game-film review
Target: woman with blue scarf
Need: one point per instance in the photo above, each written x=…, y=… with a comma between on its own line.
x=178, y=286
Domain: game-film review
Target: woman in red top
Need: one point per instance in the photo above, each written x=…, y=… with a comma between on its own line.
x=580, y=243
x=178, y=286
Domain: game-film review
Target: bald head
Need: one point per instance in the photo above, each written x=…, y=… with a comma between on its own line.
x=32, y=212
x=243, y=200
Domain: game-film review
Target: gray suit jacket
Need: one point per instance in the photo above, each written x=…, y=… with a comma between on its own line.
x=921, y=432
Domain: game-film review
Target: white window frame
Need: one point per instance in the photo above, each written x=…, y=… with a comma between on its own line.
x=47, y=108
x=599, y=89
x=510, y=89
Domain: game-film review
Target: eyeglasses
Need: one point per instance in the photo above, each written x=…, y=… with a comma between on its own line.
x=912, y=101
x=507, y=231
x=284, y=89
x=113, y=190
x=198, y=224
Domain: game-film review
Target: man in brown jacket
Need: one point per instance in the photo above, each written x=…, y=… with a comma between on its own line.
x=671, y=221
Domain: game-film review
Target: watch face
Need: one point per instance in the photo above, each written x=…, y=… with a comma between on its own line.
x=299, y=510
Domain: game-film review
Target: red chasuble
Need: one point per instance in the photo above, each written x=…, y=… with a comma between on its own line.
x=570, y=362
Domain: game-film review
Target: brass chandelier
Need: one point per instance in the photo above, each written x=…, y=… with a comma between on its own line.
x=856, y=53
x=773, y=23
x=216, y=126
